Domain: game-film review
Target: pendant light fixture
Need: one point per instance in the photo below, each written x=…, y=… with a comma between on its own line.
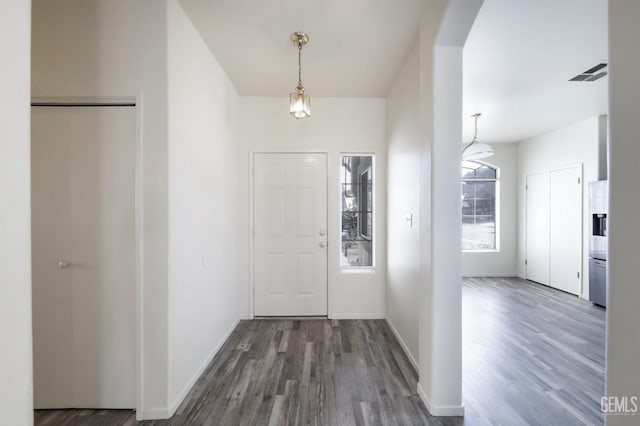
x=299, y=101
x=475, y=150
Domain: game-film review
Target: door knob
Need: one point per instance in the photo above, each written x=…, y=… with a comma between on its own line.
x=323, y=232
x=63, y=264
x=322, y=244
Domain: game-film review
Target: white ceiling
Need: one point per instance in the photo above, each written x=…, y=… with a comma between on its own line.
x=518, y=58
x=355, y=46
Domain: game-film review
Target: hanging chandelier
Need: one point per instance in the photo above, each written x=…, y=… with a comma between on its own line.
x=299, y=101
x=475, y=150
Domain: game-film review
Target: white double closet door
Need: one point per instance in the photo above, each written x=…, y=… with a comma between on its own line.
x=554, y=228
x=83, y=165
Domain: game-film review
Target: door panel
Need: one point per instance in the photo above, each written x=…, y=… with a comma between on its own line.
x=290, y=255
x=537, y=228
x=52, y=288
x=565, y=229
x=85, y=341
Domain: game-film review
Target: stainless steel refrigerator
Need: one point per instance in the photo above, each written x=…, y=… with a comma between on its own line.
x=599, y=209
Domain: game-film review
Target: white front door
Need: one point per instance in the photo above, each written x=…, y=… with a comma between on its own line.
x=290, y=234
x=83, y=164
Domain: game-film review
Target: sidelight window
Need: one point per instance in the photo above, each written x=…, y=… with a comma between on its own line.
x=356, y=182
x=479, y=206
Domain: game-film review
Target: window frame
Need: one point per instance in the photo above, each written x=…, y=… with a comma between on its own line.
x=366, y=176
x=372, y=238
x=496, y=207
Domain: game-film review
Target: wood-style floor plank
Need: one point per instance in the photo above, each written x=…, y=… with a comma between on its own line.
x=531, y=356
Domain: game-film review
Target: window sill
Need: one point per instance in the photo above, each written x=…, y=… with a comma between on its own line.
x=358, y=270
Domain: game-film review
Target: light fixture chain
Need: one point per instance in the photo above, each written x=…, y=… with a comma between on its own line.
x=299, y=101
x=299, y=65
x=475, y=134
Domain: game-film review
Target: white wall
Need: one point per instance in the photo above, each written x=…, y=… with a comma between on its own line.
x=503, y=262
x=107, y=48
x=623, y=315
x=424, y=179
x=336, y=126
x=203, y=206
x=570, y=145
x=16, y=376
x=443, y=31
x=403, y=196
x=441, y=387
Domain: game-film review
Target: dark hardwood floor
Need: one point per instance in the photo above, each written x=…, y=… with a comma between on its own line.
x=296, y=372
x=531, y=355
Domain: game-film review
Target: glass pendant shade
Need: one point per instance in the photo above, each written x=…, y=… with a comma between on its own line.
x=477, y=151
x=299, y=104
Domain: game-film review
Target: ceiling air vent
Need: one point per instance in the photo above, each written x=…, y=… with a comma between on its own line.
x=591, y=74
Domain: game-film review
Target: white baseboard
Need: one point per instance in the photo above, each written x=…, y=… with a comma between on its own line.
x=368, y=315
x=153, y=414
x=182, y=395
x=440, y=411
x=492, y=275
x=404, y=346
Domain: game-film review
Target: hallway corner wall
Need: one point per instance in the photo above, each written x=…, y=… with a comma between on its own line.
x=16, y=375
x=403, y=215
x=623, y=315
x=204, y=193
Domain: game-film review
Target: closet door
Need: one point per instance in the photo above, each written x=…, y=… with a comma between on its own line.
x=537, y=228
x=52, y=286
x=83, y=164
x=565, y=229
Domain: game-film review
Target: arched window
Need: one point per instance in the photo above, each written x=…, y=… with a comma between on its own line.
x=479, y=206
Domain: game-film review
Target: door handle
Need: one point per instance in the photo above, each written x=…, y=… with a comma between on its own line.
x=322, y=232
x=63, y=264
x=322, y=244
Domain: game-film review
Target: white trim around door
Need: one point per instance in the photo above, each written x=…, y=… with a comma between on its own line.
x=289, y=274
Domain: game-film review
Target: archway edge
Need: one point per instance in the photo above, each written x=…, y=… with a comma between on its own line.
x=444, y=28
